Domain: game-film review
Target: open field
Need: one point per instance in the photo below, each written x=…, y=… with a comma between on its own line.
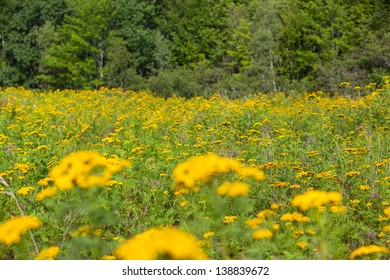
x=263, y=177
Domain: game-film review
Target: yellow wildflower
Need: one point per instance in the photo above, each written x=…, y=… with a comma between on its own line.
x=45, y=181
x=280, y=184
x=337, y=209
x=262, y=234
x=314, y=199
x=387, y=212
x=48, y=192
x=233, y=189
x=161, y=243
x=294, y=217
x=184, y=203
x=78, y=169
x=25, y=190
x=202, y=168
x=208, y=234
x=11, y=230
x=108, y=257
x=254, y=223
x=229, y=219
x=302, y=244
x=85, y=231
x=275, y=227
x=22, y=167
x=313, y=153
x=368, y=250
x=48, y=253
x=352, y=173
x=365, y=188
x=386, y=228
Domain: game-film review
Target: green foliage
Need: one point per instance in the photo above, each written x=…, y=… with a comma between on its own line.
x=276, y=45
x=76, y=57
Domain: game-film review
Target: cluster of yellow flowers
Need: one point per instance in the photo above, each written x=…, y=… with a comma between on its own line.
x=315, y=199
x=11, y=230
x=25, y=190
x=201, y=168
x=161, y=243
x=79, y=169
x=294, y=217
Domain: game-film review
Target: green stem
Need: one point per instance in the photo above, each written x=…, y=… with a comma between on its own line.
x=323, y=242
x=11, y=194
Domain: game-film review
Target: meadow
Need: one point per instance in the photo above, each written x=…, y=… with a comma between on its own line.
x=113, y=174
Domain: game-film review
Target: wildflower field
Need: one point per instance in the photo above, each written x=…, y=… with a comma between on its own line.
x=112, y=174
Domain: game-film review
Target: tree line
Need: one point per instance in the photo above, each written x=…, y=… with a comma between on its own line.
x=194, y=47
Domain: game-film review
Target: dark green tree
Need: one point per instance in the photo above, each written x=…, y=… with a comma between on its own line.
x=76, y=58
x=19, y=51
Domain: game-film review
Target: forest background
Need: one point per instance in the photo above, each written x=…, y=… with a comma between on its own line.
x=194, y=47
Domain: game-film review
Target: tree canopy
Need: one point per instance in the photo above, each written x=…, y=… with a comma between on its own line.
x=193, y=47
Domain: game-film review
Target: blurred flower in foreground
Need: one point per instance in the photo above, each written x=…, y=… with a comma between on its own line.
x=11, y=230
x=368, y=250
x=48, y=253
x=85, y=169
x=161, y=243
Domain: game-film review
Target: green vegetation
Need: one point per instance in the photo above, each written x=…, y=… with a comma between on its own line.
x=96, y=167
x=194, y=47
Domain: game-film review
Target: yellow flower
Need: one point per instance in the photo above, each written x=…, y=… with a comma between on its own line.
x=314, y=199
x=337, y=209
x=352, y=173
x=229, y=219
x=294, y=217
x=48, y=192
x=264, y=213
x=22, y=167
x=254, y=223
x=45, y=181
x=108, y=257
x=275, y=227
x=280, y=184
x=208, y=234
x=387, y=212
x=368, y=250
x=48, y=253
x=200, y=169
x=274, y=206
x=11, y=230
x=386, y=228
x=302, y=244
x=262, y=234
x=161, y=243
x=79, y=169
x=85, y=231
x=365, y=188
x=233, y=189
x=313, y=153
x=184, y=203
x=25, y=190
